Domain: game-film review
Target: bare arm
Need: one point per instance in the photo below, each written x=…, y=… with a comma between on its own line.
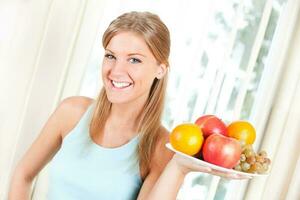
x=44, y=147
x=166, y=185
x=162, y=174
x=36, y=157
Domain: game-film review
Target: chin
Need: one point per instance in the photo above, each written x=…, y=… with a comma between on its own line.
x=117, y=100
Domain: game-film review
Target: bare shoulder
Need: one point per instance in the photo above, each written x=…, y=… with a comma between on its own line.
x=162, y=155
x=72, y=109
x=76, y=102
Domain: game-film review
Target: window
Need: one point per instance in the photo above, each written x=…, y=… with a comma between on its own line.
x=218, y=57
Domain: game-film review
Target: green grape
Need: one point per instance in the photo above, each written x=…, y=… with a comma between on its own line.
x=243, y=157
x=249, y=153
x=256, y=167
x=265, y=167
x=251, y=160
x=267, y=161
x=260, y=168
x=260, y=159
x=263, y=153
x=245, y=166
x=251, y=169
x=238, y=167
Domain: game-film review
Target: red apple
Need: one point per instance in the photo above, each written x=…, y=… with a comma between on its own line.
x=210, y=124
x=222, y=151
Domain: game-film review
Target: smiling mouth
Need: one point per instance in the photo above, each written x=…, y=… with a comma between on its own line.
x=120, y=85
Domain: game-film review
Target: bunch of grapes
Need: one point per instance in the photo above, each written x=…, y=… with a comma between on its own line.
x=252, y=162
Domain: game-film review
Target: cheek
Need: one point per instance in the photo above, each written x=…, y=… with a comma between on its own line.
x=105, y=68
x=143, y=78
x=104, y=73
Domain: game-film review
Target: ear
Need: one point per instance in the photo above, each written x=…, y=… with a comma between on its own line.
x=161, y=71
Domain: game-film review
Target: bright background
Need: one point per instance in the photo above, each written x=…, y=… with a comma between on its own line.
x=237, y=59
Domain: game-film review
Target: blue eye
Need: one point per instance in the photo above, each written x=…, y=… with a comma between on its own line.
x=135, y=60
x=109, y=56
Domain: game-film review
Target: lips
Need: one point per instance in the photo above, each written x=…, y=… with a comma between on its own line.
x=120, y=84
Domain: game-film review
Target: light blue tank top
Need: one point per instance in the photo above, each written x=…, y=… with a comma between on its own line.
x=84, y=170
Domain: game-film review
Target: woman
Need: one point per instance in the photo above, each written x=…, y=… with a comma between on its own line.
x=114, y=147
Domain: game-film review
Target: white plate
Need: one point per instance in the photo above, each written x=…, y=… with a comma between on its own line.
x=212, y=166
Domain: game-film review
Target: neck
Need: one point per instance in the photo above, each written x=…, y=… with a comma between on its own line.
x=125, y=118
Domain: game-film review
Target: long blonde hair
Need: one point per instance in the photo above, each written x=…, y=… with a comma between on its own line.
x=157, y=37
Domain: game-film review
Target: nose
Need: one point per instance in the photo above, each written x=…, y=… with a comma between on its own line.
x=118, y=68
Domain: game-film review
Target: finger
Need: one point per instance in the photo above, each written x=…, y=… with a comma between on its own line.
x=200, y=168
x=230, y=176
x=237, y=176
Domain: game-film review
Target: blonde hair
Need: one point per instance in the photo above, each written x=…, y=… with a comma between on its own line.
x=157, y=37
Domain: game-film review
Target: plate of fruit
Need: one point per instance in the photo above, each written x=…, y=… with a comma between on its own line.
x=224, y=148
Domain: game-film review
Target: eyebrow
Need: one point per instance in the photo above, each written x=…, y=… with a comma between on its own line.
x=130, y=54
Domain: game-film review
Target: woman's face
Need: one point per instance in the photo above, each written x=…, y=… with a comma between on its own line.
x=129, y=68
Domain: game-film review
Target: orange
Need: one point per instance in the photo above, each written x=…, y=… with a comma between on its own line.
x=187, y=138
x=242, y=131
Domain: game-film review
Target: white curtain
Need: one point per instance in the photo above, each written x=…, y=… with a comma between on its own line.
x=44, y=50
x=282, y=132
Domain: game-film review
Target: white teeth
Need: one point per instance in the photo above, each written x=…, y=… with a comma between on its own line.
x=120, y=84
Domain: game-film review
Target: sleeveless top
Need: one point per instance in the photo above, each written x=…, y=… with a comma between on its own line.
x=84, y=170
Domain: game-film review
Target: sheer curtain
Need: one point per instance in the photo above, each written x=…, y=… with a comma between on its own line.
x=44, y=46
x=282, y=130
x=235, y=59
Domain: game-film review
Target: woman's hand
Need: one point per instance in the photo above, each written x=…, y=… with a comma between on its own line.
x=186, y=165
